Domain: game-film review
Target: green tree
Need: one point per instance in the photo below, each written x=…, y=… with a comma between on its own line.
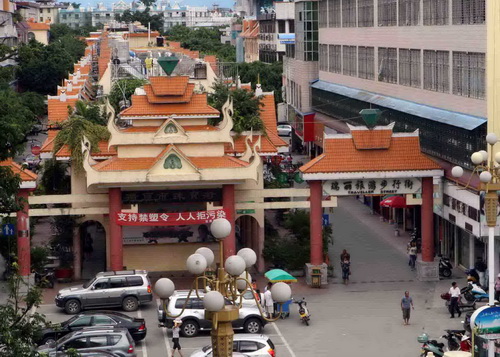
x=270, y=76
x=20, y=328
x=246, y=107
x=92, y=111
x=55, y=178
x=122, y=90
x=144, y=17
x=72, y=132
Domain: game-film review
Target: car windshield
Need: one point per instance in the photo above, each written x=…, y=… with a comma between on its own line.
x=67, y=322
x=88, y=283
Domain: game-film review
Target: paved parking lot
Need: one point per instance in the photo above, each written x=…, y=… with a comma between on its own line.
x=158, y=341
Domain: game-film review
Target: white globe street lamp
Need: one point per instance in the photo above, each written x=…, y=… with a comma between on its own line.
x=164, y=288
x=235, y=265
x=220, y=228
x=196, y=264
x=207, y=253
x=213, y=301
x=281, y=292
x=249, y=256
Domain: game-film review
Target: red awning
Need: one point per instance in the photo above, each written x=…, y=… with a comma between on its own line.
x=394, y=202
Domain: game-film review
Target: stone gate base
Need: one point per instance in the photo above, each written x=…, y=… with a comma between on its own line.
x=427, y=271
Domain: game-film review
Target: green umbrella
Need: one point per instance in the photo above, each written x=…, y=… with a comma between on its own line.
x=277, y=275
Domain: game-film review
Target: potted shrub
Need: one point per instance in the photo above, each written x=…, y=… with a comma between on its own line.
x=62, y=244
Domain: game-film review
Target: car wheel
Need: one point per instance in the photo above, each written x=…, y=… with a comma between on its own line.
x=252, y=326
x=189, y=328
x=72, y=306
x=48, y=340
x=130, y=303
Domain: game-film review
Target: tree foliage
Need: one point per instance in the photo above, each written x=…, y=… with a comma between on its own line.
x=92, y=111
x=20, y=328
x=270, y=76
x=293, y=250
x=72, y=132
x=122, y=90
x=246, y=107
x=204, y=39
x=57, y=31
x=42, y=68
x=55, y=178
x=144, y=17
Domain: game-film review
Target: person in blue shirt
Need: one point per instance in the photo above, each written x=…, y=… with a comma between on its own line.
x=406, y=307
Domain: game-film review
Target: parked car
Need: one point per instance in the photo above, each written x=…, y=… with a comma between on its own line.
x=193, y=317
x=249, y=344
x=111, y=339
x=95, y=353
x=284, y=130
x=127, y=289
x=32, y=162
x=135, y=326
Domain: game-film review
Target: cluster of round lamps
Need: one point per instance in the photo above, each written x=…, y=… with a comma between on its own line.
x=235, y=266
x=478, y=158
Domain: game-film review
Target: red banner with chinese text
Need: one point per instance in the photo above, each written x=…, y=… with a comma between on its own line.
x=169, y=218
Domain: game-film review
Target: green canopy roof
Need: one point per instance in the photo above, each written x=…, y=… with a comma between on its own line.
x=277, y=275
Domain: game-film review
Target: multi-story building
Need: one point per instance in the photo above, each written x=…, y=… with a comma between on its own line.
x=250, y=37
x=422, y=63
x=8, y=33
x=272, y=22
x=300, y=68
x=75, y=17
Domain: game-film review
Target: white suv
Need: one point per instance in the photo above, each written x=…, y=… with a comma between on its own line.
x=249, y=344
x=193, y=317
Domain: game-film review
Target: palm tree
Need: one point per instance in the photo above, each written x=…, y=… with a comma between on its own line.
x=72, y=132
x=91, y=111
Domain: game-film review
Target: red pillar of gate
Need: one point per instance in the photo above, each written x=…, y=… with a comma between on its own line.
x=427, y=220
x=316, y=229
x=23, y=236
x=229, y=206
x=115, y=230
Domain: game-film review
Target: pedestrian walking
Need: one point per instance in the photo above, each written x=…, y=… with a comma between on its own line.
x=346, y=270
x=455, y=296
x=88, y=246
x=497, y=288
x=268, y=301
x=175, y=337
x=344, y=255
x=406, y=306
x=412, y=252
x=481, y=267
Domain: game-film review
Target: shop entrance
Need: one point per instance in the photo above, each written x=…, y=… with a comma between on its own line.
x=92, y=248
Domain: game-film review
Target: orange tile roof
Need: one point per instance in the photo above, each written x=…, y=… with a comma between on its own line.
x=183, y=98
x=145, y=163
x=24, y=174
x=48, y=144
x=144, y=34
x=268, y=116
x=58, y=111
x=341, y=155
x=197, y=106
x=64, y=151
x=169, y=85
x=212, y=60
x=36, y=26
x=152, y=129
x=240, y=146
x=371, y=139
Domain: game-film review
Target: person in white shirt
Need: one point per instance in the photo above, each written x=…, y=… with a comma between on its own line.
x=268, y=301
x=454, y=297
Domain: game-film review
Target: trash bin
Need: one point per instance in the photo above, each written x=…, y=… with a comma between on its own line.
x=285, y=309
x=316, y=277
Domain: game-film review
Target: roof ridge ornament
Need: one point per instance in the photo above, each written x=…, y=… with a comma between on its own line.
x=370, y=117
x=168, y=64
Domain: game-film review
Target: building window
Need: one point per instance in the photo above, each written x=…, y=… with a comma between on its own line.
x=409, y=12
x=323, y=13
x=348, y=13
x=387, y=12
x=172, y=162
x=436, y=71
x=409, y=68
x=366, y=62
x=469, y=74
x=323, y=57
x=436, y=12
x=466, y=12
x=334, y=59
x=333, y=13
x=365, y=13
x=281, y=26
x=306, y=34
x=349, y=60
x=387, y=65
x=171, y=129
x=291, y=26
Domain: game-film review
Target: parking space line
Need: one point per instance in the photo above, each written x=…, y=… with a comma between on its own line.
x=283, y=339
x=143, y=342
x=164, y=332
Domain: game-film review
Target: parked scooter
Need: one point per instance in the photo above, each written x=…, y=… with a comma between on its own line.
x=437, y=348
x=454, y=338
x=303, y=311
x=462, y=305
x=474, y=292
x=445, y=266
x=45, y=279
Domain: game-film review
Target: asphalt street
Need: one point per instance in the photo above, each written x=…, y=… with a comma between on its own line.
x=346, y=320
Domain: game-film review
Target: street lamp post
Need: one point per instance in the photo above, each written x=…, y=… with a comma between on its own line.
x=230, y=283
x=489, y=175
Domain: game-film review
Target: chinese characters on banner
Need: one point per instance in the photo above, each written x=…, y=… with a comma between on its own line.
x=168, y=218
x=372, y=186
x=172, y=196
